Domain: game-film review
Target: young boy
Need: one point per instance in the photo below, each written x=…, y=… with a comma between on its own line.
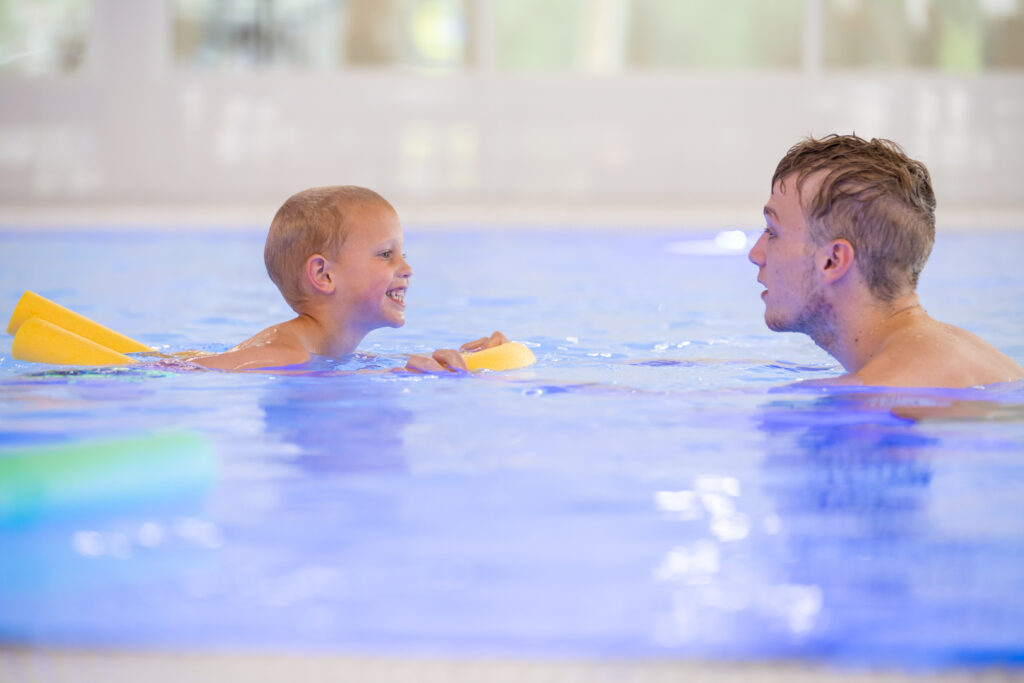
x=335, y=253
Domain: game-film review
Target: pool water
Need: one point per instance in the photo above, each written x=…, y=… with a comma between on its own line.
x=655, y=486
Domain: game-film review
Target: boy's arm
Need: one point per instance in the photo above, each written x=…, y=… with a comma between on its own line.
x=442, y=360
x=253, y=358
x=274, y=347
x=450, y=360
x=496, y=339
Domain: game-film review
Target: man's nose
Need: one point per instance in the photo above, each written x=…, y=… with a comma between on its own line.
x=756, y=254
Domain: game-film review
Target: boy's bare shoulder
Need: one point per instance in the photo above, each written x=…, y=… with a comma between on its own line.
x=276, y=346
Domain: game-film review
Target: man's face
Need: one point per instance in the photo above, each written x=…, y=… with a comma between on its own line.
x=784, y=255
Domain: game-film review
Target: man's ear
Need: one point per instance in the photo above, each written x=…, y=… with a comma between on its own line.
x=835, y=260
x=319, y=274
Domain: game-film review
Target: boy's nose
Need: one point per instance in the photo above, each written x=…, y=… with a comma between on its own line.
x=405, y=270
x=756, y=254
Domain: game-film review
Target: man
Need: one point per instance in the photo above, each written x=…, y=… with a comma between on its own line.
x=850, y=224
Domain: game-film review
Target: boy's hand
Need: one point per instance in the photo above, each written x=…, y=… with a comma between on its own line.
x=496, y=339
x=443, y=360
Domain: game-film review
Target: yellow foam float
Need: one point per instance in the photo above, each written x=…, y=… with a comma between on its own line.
x=31, y=305
x=507, y=356
x=40, y=341
x=46, y=332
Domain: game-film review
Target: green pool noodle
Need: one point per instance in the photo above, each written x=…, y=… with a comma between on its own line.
x=507, y=356
x=40, y=341
x=40, y=482
x=32, y=305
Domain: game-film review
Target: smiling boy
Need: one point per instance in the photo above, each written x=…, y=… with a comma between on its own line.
x=850, y=225
x=335, y=253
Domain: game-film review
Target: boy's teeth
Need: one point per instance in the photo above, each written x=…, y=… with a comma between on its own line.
x=397, y=295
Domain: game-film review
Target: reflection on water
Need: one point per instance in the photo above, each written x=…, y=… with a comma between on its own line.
x=853, y=488
x=337, y=425
x=724, y=596
x=858, y=536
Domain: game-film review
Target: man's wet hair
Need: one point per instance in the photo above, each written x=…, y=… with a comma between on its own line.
x=874, y=196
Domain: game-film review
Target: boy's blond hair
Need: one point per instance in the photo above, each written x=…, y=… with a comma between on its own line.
x=314, y=221
x=876, y=197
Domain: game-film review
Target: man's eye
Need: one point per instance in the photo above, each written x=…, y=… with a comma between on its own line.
x=768, y=231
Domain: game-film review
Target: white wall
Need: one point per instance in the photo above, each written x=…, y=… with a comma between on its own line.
x=132, y=130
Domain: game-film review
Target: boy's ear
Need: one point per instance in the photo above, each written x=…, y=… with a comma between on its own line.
x=835, y=260
x=319, y=275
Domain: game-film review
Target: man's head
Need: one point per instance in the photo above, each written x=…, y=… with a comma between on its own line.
x=871, y=194
x=314, y=221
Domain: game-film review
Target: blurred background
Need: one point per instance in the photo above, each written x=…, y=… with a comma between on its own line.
x=625, y=112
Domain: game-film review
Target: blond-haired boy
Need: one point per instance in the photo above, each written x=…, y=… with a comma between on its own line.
x=335, y=253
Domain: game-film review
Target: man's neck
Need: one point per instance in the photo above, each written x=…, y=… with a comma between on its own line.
x=861, y=331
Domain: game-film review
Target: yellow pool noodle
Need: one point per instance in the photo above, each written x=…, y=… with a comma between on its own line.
x=41, y=341
x=508, y=356
x=32, y=305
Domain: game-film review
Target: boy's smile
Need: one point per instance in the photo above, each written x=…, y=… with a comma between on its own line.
x=397, y=295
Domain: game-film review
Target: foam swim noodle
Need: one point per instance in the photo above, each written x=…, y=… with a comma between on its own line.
x=51, y=481
x=31, y=305
x=40, y=341
x=508, y=356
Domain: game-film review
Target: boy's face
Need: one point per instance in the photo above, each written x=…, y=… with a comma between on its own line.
x=373, y=274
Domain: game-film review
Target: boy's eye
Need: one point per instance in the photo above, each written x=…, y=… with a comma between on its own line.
x=386, y=253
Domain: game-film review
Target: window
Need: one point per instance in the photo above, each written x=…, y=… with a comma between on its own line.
x=952, y=35
x=321, y=34
x=540, y=35
x=612, y=35
x=43, y=37
x=588, y=36
x=738, y=34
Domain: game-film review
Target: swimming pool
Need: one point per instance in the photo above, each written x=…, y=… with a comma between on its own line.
x=651, y=488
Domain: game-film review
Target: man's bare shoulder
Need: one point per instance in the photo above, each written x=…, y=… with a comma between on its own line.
x=276, y=346
x=936, y=354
